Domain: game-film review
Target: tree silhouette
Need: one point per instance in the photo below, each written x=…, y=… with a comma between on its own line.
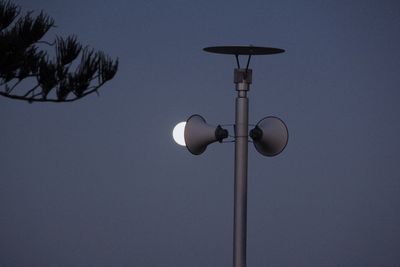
x=29, y=73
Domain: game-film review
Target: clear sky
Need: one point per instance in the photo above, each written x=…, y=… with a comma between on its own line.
x=100, y=182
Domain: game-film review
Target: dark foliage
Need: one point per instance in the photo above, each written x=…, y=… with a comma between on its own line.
x=51, y=80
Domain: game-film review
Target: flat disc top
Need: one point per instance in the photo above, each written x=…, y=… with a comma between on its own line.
x=243, y=50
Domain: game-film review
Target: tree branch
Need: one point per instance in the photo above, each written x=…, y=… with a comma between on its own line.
x=22, y=60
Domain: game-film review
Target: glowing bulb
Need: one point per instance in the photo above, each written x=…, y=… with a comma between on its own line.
x=179, y=133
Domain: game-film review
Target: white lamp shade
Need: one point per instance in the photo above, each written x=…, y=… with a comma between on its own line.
x=199, y=134
x=270, y=136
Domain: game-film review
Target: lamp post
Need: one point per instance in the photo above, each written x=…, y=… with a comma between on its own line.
x=270, y=137
x=243, y=81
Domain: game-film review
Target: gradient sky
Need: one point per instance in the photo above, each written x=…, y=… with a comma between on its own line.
x=100, y=182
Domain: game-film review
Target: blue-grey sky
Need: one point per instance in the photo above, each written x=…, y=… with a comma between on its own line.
x=100, y=182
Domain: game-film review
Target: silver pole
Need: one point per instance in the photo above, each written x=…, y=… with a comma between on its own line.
x=242, y=80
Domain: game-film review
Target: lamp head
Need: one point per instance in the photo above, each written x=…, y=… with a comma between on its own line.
x=270, y=136
x=198, y=134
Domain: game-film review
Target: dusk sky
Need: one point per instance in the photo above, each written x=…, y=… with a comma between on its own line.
x=100, y=181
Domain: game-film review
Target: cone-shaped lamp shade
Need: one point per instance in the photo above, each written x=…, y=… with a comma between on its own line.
x=199, y=134
x=270, y=136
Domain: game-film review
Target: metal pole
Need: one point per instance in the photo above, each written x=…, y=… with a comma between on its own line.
x=242, y=80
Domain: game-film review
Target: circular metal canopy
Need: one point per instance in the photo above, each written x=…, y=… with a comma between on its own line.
x=243, y=50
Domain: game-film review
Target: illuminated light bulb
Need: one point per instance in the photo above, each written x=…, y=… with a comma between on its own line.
x=179, y=133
